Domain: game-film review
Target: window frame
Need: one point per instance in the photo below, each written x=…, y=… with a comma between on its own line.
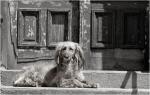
x=94, y=43
x=49, y=25
x=20, y=40
x=142, y=17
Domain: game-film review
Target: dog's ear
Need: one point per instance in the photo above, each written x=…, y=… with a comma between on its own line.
x=57, y=57
x=79, y=54
x=57, y=54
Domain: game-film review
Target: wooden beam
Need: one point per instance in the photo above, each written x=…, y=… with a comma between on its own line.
x=149, y=32
x=1, y=21
x=7, y=51
x=4, y=35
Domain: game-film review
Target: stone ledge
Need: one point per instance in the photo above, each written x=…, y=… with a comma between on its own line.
x=106, y=79
x=5, y=90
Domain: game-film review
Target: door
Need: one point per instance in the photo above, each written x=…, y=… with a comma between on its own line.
x=118, y=36
x=37, y=26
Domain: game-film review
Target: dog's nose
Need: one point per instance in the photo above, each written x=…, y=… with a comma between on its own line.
x=66, y=56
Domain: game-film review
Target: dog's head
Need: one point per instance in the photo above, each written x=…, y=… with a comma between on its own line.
x=68, y=51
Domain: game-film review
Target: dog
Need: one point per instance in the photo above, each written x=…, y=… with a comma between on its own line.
x=66, y=72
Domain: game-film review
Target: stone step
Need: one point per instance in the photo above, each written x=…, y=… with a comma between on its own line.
x=9, y=90
x=106, y=79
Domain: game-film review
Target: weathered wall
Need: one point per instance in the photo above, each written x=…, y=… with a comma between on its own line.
x=122, y=59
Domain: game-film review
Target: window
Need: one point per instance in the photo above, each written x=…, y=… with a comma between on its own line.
x=58, y=26
x=39, y=30
x=28, y=28
x=110, y=30
x=133, y=29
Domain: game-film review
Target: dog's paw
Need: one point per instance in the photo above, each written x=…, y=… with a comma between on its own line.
x=26, y=82
x=66, y=83
x=90, y=85
x=95, y=85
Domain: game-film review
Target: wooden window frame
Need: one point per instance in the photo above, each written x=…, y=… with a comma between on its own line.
x=94, y=43
x=49, y=25
x=20, y=40
x=137, y=45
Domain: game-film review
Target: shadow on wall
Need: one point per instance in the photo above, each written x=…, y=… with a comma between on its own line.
x=134, y=82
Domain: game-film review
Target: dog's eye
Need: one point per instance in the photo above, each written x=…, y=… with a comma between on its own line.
x=64, y=48
x=70, y=48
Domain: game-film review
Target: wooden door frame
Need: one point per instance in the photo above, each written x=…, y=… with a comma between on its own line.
x=7, y=49
x=85, y=26
x=149, y=36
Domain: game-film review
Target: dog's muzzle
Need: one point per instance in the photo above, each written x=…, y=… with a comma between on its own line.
x=67, y=57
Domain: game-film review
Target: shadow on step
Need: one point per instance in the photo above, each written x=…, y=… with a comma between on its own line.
x=132, y=74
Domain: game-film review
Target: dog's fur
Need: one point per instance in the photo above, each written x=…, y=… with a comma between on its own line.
x=67, y=72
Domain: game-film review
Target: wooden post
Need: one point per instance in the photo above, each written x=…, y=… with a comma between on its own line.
x=3, y=35
x=85, y=14
x=1, y=21
x=149, y=33
x=8, y=59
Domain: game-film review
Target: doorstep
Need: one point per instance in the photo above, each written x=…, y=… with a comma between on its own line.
x=106, y=79
x=7, y=90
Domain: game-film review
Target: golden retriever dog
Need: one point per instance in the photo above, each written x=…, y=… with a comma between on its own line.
x=66, y=72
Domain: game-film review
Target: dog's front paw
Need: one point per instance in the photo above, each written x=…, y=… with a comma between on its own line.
x=90, y=85
x=26, y=82
x=19, y=82
x=95, y=85
x=66, y=83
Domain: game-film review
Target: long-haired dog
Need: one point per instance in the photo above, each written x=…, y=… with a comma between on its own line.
x=67, y=71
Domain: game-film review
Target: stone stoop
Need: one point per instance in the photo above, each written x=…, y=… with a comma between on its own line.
x=111, y=83
x=9, y=90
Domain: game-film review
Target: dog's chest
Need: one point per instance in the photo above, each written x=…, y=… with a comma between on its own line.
x=68, y=71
